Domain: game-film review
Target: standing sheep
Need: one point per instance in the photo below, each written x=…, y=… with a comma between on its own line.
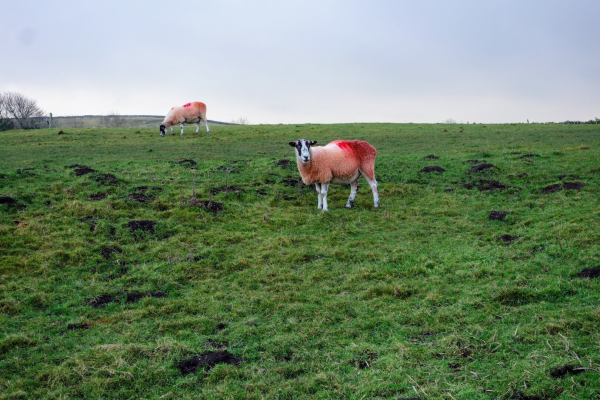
x=340, y=162
x=190, y=113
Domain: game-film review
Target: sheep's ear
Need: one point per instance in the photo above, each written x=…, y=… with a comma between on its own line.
x=313, y=142
x=293, y=144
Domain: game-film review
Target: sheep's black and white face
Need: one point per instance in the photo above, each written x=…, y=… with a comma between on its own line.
x=302, y=149
x=163, y=130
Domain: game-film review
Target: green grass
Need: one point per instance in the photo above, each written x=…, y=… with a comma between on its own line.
x=418, y=298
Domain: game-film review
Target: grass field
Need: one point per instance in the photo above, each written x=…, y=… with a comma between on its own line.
x=426, y=297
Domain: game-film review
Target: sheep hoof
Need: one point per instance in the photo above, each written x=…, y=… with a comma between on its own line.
x=348, y=206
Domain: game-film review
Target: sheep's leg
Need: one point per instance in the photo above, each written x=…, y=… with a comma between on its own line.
x=373, y=183
x=198, y=126
x=353, y=190
x=318, y=189
x=172, y=133
x=207, y=130
x=324, y=189
x=181, y=129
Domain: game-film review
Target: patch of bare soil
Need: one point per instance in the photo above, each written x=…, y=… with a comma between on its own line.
x=77, y=166
x=292, y=182
x=107, y=179
x=507, y=239
x=474, y=161
x=557, y=187
x=8, y=201
x=84, y=171
x=141, y=225
x=481, y=168
x=207, y=361
x=561, y=372
x=211, y=206
x=485, y=185
x=498, y=215
x=283, y=163
x=102, y=300
x=97, y=196
x=430, y=157
x=135, y=297
x=227, y=168
x=290, y=198
x=523, y=396
x=433, y=168
x=589, y=273
x=186, y=161
x=226, y=189
x=107, y=251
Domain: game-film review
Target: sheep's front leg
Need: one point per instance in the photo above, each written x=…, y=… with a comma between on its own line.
x=318, y=189
x=324, y=189
x=353, y=190
x=373, y=184
x=207, y=130
x=172, y=133
x=181, y=130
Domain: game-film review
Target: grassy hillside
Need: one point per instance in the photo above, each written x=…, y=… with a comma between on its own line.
x=130, y=281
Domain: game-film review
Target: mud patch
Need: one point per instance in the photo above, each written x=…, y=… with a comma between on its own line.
x=186, y=161
x=84, y=171
x=75, y=327
x=97, y=196
x=141, y=225
x=135, y=297
x=485, y=185
x=283, y=163
x=507, y=239
x=498, y=215
x=76, y=166
x=226, y=189
x=433, y=168
x=430, y=157
x=102, y=301
x=107, y=179
x=107, y=251
x=141, y=197
x=481, y=168
x=557, y=187
x=207, y=361
x=590, y=273
x=8, y=201
x=561, y=372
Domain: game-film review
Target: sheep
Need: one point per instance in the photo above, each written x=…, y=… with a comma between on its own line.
x=189, y=113
x=339, y=162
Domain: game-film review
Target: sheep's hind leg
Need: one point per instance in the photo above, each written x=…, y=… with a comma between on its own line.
x=198, y=126
x=172, y=133
x=353, y=190
x=207, y=130
x=318, y=189
x=181, y=130
x=373, y=183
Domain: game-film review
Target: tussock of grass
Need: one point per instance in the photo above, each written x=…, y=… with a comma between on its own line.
x=418, y=298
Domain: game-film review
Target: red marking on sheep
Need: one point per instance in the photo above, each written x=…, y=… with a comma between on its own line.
x=187, y=105
x=344, y=145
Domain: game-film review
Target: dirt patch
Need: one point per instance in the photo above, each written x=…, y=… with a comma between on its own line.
x=226, y=189
x=430, y=157
x=107, y=179
x=97, y=196
x=102, y=300
x=142, y=188
x=481, y=168
x=292, y=182
x=507, y=239
x=207, y=361
x=523, y=396
x=289, y=198
x=75, y=327
x=557, y=187
x=498, y=215
x=433, y=168
x=590, y=273
x=527, y=156
x=186, y=161
x=220, y=326
x=84, y=171
x=8, y=200
x=227, y=168
x=141, y=225
x=135, y=297
x=485, y=185
x=77, y=166
x=474, y=161
x=211, y=206
x=140, y=197
x=107, y=251
x=283, y=163
x=364, y=360
x=25, y=172
x=561, y=372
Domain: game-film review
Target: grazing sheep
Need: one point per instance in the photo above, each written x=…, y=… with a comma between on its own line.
x=190, y=113
x=340, y=162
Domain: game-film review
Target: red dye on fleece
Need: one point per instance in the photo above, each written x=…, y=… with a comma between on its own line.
x=187, y=105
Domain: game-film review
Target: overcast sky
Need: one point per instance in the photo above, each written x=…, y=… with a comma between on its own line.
x=322, y=61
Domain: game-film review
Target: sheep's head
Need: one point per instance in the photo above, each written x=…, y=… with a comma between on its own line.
x=303, y=149
x=163, y=130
